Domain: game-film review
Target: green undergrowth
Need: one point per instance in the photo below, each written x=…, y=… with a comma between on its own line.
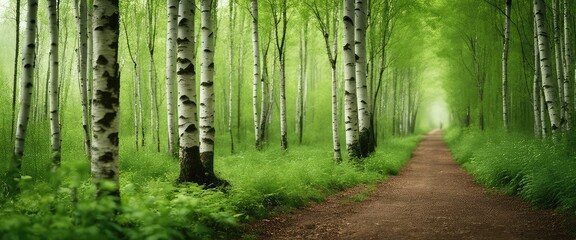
x=62, y=206
x=540, y=171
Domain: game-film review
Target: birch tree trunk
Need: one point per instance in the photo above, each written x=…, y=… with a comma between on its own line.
x=172, y=26
x=26, y=88
x=106, y=103
x=191, y=169
x=505, y=54
x=152, y=81
x=231, y=75
x=300, y=94
x=81, y=15
x=89, y=55
x=545, y=65
x=279, y=16
x=207, y=130
x=365, y=142
x=568, y=66
x=15, y=75
x=335, y=135
x=350, y=106
x=536, y=89
x=53, y=84
x=558, y=57
x=256, y=72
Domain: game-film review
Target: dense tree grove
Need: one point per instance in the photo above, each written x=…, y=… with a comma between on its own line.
x=177, y=86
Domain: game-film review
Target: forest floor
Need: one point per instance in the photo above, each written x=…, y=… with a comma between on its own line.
x=431, y=198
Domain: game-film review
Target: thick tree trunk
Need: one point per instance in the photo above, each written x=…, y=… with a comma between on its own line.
x=545, y=65
x=366, y=142
x=26, y=87
x=81, y=16
x=191, y=168
x=106, y=103
x=350, y=106
x=53, y=84
x=207, y=130
x=172, y=26
x=568, y=67
x=505, y=54
x=256, y=72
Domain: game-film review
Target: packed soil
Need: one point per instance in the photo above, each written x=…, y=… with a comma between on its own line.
x=432, y=198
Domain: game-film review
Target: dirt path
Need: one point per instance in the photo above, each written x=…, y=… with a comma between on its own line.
x=432, y=198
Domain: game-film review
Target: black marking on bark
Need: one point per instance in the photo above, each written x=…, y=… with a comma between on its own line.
x=114, y=20
x=113, y=137
x=29, y=85
x=27, y=65
x=99, y=28
x=191, y=128
x=102, y=60
x=207, y=84
x=347, y=47
x=356, y=57
x=211, y=65
x=187, y=70
x=208, y=141
x=106, y=121
x=107, y=157
x=186, y=100
x=183, y=22
x=348, y=20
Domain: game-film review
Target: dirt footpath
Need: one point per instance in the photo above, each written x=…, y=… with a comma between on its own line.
x=432, y=198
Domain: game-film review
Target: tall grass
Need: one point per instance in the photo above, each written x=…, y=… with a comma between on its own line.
x=540, y=171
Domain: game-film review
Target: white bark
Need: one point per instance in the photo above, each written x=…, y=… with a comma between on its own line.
x=364, y=128
x=558, y=55
x=350, y=106
x=335, y=135
x=505, y=54
x=172, y=34
x=256, y=51
x=26, y=89
x=106, y=102
x=207, y=130
x=231, y=74
x=536, y=89
x=545, y=65
x=279, y=17
x=81, y=16
x=190, y=165
x=568, y=66
x=299, y=94
x=55, y=140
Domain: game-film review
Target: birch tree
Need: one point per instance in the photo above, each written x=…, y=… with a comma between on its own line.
x=230, y=73
x=350, y=106
x=366, y=141
x=15, y=75
x=106, y=102
x=505, y=54
x=558, y=57
x=53, y=84
x=279, y=18
x=191, y=169
x=26, y=87
x=536, y=88
x=545, y=65
x=256, y=73
x=568, y=67
x=207, y=130
x=82, y=51
x=151, y=15
x=172, y=34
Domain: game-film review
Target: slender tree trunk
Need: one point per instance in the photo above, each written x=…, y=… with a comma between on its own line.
x=15, y=76
x=26, y=88
x=231, y=74
x=172, y=26
x=53, y=84
x=545, y=65
x=536, y=89
x=350, y=106
x=106, y=103
x=505, y=54
x=152, y=81
x=543, y=109
x=191, y=168
x=264, y=109
x=365, y=142
x=256, y=72
x=300, y=93
x=81, y=15
x=279, y=17
x=568, y=66
x=90, y=54
x=240, y=81
x=558, y=56
x=333, y=58
x=207, y=130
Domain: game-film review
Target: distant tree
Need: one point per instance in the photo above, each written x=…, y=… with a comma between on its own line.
x=152, y=17
x=106, y=102
x=80, y=10
x=505, y=54
x=568, y=67
x=15, y=75
x=231, y=37
x=279, y=12
x=558, y=57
